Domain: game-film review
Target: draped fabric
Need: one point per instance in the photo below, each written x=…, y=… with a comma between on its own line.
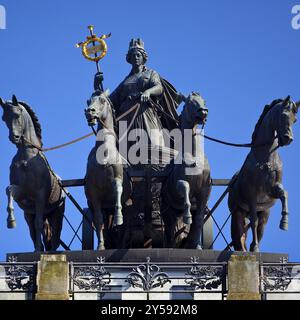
x=128, y=94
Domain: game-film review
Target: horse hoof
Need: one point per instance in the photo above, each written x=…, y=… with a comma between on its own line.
x=254, y=248
x=39, y=249
x=187, y=219
x=284, y=225
x=198, y=247
x=100, y=247
x=118, y=220
x=11, y=224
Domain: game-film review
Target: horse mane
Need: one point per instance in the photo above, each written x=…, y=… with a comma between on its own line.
x=113, y=111
x=35, y=120
x=267, y=108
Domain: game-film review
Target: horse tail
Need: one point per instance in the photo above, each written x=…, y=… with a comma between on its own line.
x=47, y=235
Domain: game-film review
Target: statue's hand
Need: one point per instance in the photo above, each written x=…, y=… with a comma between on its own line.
x=145, y=97
x=98, y=80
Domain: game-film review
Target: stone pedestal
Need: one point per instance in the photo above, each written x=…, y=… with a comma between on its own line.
x=243, y=278
x=53, y=278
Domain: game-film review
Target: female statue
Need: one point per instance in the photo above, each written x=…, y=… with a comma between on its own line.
x=145, y=101
x=144, y=88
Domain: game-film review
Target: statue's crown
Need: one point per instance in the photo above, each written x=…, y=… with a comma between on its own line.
x=136, y=44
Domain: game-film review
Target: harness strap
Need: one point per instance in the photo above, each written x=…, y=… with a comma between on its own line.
x=59, y=146
x=136, y=107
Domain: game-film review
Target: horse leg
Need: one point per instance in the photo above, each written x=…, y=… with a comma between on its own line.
x=99, y=224
x=118, y=190
x=279, y=193
x=238, y=230
x=11, y=192
x=263, y=217
x=39, y=220
x=195, y=234
x=29, y=218
x=169, y=217
x=254, y=224
x=183, y=188
x=47, y=235
x=56, y=220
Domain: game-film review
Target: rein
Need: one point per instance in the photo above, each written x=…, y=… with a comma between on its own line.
x=59, y=146
x=136, y=106
x=237, y=145
x=83, y=137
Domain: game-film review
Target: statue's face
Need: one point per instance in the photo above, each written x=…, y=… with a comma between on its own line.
x=137, y=58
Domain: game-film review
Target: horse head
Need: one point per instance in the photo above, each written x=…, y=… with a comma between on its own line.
x=14, y=119
x=287, y=116
x=98, y=108
x=194, y=111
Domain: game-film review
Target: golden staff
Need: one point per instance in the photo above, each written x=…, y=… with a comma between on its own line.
x=94, y=49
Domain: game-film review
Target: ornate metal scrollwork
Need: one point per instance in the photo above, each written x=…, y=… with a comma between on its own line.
x=276, y=278
x=20, y=277
x=91, y=277
x=204, y=277
x=147, y=276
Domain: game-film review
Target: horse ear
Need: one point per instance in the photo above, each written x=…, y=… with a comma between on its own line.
x=2, y=103
x=298, y=104
x=15, y=100
x=107, y=92
x=286, y=100
x=182, y=97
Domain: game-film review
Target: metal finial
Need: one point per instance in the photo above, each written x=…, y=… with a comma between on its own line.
x=91, y=28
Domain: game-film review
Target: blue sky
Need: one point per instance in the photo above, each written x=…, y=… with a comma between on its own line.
x=240, y=55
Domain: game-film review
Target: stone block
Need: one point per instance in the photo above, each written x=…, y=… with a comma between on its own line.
x=243, y=278
x=53, y=278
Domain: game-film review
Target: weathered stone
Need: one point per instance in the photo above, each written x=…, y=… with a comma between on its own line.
x=243, y=278
x=53, y=278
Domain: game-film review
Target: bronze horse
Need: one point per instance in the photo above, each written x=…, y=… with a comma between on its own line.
x=188, y=179
x=259, y=183
x=32, y=184
x=106, y=186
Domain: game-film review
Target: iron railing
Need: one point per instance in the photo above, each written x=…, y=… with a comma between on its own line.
x=18, y=280
x=149, y=280
x=280, y=279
